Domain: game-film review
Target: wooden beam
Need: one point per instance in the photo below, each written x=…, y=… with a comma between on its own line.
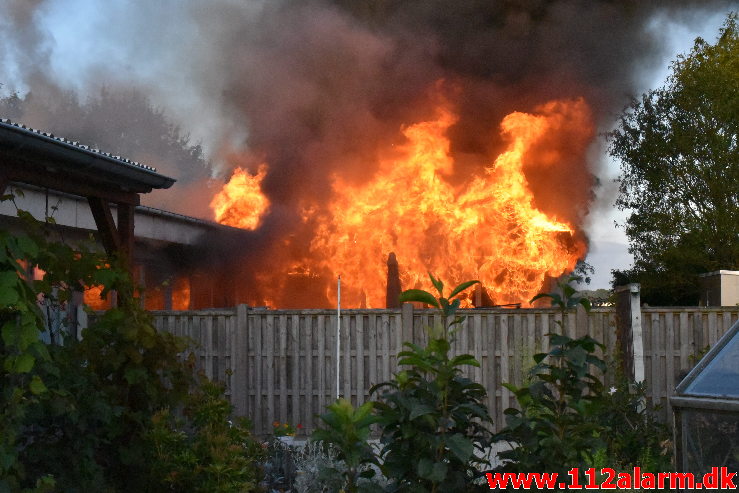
x=83, y=186
x=106, y=226
x=125, y=233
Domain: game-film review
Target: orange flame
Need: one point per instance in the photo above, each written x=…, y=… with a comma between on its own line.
x=181, y=294
x=241, y=203
x=488, y=229
x=485, y=227
x=92, y=298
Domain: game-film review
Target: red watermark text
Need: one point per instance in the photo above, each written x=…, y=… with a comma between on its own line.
x=607, y=478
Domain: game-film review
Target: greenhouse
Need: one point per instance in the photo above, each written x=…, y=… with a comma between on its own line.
x=706, y=406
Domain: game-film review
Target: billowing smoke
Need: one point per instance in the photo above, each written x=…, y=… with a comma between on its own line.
x=321, y=86
x=315, y=88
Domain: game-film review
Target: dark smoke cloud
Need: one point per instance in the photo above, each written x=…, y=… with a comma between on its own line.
x=320, y=85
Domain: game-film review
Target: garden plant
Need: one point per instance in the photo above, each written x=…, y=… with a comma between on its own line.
x=568, y=419
x=432, y=419
x=119, y=409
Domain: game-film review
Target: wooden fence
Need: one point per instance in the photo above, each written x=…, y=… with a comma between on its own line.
x=280, y=365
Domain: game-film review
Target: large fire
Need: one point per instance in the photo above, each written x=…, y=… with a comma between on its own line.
x=486, y=226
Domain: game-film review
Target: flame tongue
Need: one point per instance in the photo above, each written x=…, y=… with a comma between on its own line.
x=241, y=203
x=489, y=228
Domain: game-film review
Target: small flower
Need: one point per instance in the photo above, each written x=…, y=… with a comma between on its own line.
x=612, y=391
x=275, y=424
x=300, y=427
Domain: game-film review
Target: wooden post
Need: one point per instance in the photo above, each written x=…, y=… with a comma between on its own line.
x=629, y=331
x=392, y=296
x=75, y=315
x=167, y=295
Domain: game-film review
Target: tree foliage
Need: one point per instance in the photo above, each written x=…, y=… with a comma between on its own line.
x=680, y=166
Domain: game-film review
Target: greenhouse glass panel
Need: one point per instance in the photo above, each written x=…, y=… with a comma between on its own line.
x=711, y=440
x=720, y=377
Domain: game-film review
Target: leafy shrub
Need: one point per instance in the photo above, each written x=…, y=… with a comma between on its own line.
x=315, y=465
x=432, y=417
x=567, y=419
x=102, y=392
x=279, y=465
x=346, y=431
x=202, y=451
x=84, y=416
x=554, y=430
x=635, y=436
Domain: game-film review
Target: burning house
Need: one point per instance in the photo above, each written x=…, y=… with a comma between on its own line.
x=462, y=139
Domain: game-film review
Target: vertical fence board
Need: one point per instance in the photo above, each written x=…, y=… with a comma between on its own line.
x=359, y=357
x=669, y=360
x=386, y=349
x=687, y=346
x=505, y=375
x=269, y=349
x=260, y=423
x=372, y=350
x=478, y=345
x=492, y=365
x=295, y=390
x=322, y=362
x=346, y=340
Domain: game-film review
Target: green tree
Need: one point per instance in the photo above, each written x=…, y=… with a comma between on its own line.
x=680, y=166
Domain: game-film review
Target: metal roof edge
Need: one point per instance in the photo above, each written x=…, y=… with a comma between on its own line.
x=96, y=159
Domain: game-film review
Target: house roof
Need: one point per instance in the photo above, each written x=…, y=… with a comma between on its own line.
x=41, y=158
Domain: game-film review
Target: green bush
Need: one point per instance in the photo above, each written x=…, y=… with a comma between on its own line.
x=433, y=419
x=346, y=431
x=202, y=451
x=97, y=414
x=635, y=437
x=566, y=417
x=556, y=429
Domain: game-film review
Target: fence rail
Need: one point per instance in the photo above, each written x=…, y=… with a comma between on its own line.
x=280, y=365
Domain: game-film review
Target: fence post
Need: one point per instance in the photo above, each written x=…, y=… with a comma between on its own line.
x=629, y=330
x=239, y=363
x=406, y=321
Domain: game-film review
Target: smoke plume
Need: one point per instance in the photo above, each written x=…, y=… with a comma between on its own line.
x=316, y=88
